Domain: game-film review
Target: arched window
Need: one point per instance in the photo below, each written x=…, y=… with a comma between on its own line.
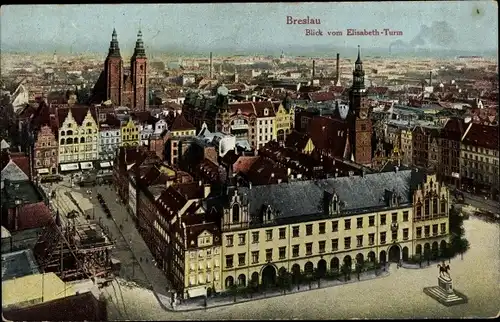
x=443, y=207
x=427, y=206
x=89, y=124
x=82, y=140
x=434, y=206
x=69, y=132
x=62, y=141
x=236, y=213
x=63, y=133
x=419, y=211
x=69, y=141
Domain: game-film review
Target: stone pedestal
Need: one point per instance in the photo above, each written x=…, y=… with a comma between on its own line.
x=444, y=292
x=445, y=284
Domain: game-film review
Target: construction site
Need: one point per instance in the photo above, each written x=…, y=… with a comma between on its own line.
x=74, y=246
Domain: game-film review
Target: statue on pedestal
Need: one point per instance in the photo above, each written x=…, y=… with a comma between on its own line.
x=444, y=270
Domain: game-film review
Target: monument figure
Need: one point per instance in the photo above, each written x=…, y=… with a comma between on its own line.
x=444, y=270
x=444, y=292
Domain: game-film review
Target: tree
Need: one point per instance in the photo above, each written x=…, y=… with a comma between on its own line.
x=234, y=291
x=346, y=271
x=359, y=269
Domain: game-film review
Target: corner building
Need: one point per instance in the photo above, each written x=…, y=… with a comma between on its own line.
x=307, y=225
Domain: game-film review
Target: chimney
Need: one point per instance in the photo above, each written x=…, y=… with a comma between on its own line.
x=430, y=78
x=211, y=66
x=338, y=68
x=314, y=69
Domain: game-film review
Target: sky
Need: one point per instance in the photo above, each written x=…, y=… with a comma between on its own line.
x=460, y=25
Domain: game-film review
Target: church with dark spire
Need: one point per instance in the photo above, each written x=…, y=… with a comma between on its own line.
x=123, y=87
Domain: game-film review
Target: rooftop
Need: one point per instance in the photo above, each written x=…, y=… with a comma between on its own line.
x=18, y=264
x=24, y=191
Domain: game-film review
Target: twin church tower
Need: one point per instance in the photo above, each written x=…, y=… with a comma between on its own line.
x=123, y=87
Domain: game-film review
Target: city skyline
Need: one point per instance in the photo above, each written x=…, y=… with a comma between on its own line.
x=260, y=27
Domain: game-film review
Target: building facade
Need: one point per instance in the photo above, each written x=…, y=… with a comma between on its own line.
x=262, y=238
x=130, y=135
x=78, y=138
x=449, y=145
x=45, y=152
x=479, y=159
x=180, y=129
x=110, y=140
x=265, y=123
x=407, y=146
x=282, y=123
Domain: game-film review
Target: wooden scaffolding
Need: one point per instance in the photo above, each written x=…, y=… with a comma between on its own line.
x=74, y=251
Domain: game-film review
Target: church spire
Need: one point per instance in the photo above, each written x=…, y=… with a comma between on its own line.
x=114, y=48
x=358, y=61
x=139, y=50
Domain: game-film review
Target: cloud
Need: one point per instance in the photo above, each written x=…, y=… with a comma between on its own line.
x=440, y=34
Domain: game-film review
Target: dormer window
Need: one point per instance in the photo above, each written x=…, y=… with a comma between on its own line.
x=269, y=213
x=266, y=112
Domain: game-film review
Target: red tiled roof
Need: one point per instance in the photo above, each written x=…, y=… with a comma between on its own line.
x=483, y=136
x=191, y=190
x=259, y=108
x=297, y=140
x=22, y=161
x=329, y=134
x=35, y=215
x=454, y=129
x=244, y=163
x=181, y=124
x=246, y=108
x=79, y=307
x=337, y=89
x=321, y=96
x=264, y=171
x=78, y=112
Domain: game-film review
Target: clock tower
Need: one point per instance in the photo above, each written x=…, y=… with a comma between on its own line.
x=113, y=68
x=361, y=125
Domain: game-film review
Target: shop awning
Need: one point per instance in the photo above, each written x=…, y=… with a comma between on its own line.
x=86, y=165
x=43, y=171
x=69, y=167
x=105, y=164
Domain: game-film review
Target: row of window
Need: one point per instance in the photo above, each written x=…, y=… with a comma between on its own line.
x=76, y=149
x=76, y=132
x=203, y=278
x=480, y=150
x=46, y=154
x=309, y=248
x=321, y=228
x=130, y=137
x=427, y=230
x=78, y=157
x=427, y=208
